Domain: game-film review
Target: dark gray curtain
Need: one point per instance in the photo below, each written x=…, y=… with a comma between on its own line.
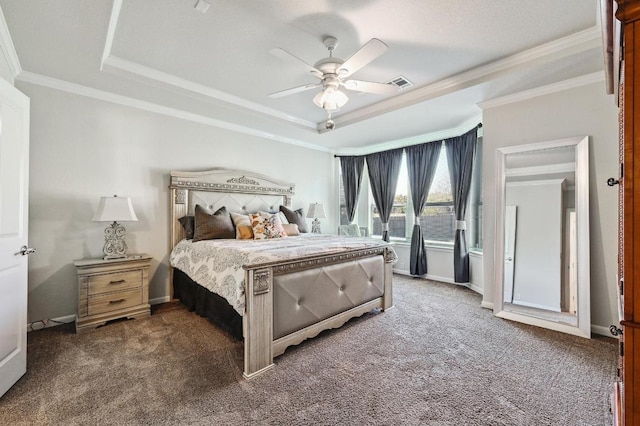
x=383, y=170
x=421, y=166
x=351, y=180
x=460, y=152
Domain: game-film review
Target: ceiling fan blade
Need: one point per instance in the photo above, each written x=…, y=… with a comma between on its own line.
x=294, y=90
x=367, y=53
x=283, y=54
x=370, y=87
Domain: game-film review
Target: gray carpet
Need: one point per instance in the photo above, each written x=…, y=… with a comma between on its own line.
x=437, y=358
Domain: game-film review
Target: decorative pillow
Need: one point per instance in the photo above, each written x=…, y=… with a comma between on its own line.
x=281, y=216
x=266, y=227
x=211, y=226
x=243, y=226
x=187, y=223
x=291, y=229
x=296, y=217
x=244, y=232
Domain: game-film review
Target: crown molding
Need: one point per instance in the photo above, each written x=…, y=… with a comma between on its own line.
x=161, y=79
x=560, y=86
x=567, y=46
x=130, y=69
x=111, y=30
x=556, y=49
x=102, y=95
x=8, y=49
x=440, y=135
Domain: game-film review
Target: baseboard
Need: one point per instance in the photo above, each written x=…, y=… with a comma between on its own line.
x=50, y=322
x=476, y=288
x=158, y=300
x=402, y=272
x=443, y=280
x=427, y=277
x=487, y=305
x=471, y=286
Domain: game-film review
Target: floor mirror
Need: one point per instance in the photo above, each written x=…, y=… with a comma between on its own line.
x=542, y=235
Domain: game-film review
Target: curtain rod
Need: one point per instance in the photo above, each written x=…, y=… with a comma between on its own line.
x=479, y=126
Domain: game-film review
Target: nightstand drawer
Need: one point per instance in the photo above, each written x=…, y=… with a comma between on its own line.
x=114, y=301
x=112, y=289
x=105, y=283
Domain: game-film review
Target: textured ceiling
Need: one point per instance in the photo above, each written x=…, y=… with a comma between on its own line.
x=217, y=65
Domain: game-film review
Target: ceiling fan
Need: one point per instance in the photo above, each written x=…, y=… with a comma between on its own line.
x=332, y=73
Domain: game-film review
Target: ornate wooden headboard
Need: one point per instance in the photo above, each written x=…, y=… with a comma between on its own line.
x=237, y=190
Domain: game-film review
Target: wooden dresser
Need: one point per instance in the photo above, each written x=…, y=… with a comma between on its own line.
x=112, y=289
x=626, y=403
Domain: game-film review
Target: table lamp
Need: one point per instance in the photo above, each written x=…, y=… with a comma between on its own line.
x=115, y=209
x=316, y=211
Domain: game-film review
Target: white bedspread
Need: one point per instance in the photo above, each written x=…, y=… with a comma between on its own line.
x=217, y=264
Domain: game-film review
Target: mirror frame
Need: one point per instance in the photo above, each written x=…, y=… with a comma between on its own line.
x=582, y=223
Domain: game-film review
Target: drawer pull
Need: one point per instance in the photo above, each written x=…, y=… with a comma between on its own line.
x=113, y=302
x=118, y=282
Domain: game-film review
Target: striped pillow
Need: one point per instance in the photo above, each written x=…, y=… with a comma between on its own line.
x=211, y=226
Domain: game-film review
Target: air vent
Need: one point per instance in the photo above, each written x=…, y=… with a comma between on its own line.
x=202, y=6
x=401, y=82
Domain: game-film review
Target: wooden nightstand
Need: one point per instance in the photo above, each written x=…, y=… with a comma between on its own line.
x=111, y=289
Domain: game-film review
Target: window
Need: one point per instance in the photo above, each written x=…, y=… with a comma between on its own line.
x=437, y=220
x=398, y=217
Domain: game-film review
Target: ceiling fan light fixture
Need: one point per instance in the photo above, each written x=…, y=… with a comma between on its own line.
x=330, y=99
x=332, y=71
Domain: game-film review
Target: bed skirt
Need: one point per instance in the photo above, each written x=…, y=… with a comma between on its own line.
x=206, y=304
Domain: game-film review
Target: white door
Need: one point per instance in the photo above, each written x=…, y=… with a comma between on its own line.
x=14, y=196
x=509, y=251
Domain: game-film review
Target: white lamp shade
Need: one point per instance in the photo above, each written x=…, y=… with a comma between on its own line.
x=316, y=210
x=330, y=99
x=114, y=209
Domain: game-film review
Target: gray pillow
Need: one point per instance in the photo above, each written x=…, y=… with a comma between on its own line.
x=211, y=226
x=295, y=216
x=187, y=224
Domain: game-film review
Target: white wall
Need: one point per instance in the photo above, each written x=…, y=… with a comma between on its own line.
x=82, y=148
x=440, y=265
x=584, y=110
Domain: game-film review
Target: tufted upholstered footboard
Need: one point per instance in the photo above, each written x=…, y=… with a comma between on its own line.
x=289, y=302
x=306, y=297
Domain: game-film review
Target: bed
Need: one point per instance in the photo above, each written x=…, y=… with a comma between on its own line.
x=278, y=293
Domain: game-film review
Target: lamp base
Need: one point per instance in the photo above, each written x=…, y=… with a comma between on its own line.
x=114, y=246
x=315, y=226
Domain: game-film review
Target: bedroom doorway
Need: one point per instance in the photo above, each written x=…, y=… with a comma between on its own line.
x=14, y=197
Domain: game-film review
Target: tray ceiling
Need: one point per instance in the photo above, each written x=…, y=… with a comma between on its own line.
x=217, y=66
